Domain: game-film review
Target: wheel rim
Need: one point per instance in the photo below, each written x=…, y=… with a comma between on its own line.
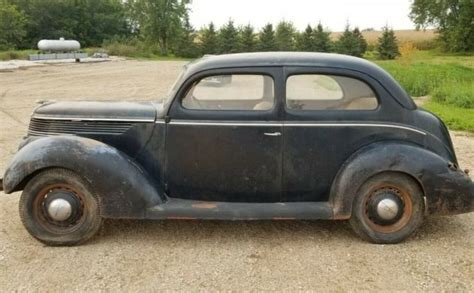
x=388, y=209
x=50, y=208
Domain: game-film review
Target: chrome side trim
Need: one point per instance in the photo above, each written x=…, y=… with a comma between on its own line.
x=76, y=118
x=270, y=124
x=225, y=123
x=356, y=125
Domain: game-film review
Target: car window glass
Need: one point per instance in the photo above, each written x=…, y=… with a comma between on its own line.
x=328, y=92
x=231, y=92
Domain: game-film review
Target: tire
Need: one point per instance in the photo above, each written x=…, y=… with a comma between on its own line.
x=84, y=219
x=366, y=219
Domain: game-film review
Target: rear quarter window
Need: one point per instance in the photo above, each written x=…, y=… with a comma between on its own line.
x=328, y=92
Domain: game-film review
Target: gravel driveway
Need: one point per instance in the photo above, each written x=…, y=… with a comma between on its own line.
x=198, y=255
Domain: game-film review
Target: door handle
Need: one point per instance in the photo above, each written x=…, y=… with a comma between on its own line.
x=272, y=133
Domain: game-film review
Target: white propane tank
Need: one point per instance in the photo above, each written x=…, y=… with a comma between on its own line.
x=59, y=45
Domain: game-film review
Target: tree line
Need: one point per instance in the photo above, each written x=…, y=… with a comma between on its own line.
x=165, y=25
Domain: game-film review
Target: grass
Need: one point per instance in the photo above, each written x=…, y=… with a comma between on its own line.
x=422, y=79
x=456, y=118
x=447, y=79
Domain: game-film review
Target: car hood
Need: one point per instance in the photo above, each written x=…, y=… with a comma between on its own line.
x=101, y=111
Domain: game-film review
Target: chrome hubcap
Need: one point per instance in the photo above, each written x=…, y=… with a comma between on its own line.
x=59, y=209
x=387, y=209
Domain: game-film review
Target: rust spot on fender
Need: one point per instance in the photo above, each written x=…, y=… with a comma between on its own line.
x=205, y=206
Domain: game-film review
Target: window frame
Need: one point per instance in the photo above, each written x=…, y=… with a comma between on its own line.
x=383, y=97
x=196, y=83
x=178, y=111
x=321, y=73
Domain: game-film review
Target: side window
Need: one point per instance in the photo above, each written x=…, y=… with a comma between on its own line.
x=328, y=92
x=231, y=92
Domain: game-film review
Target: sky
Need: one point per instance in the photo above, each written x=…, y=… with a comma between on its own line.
x=333, y=14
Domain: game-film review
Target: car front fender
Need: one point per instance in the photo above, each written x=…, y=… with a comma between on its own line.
x=123, y=188
x=447, y=190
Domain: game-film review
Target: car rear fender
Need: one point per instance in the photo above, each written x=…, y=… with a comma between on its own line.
x=447, y=190
x=124, y=189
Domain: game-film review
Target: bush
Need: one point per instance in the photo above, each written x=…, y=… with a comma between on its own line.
x=11, y=55
x=120, y=49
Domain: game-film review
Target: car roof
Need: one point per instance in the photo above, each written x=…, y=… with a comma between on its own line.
x=303, y=59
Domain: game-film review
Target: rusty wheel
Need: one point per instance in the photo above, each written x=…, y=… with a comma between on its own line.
x=388, y=209
x=58, y=208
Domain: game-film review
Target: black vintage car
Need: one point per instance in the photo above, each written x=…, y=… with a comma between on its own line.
x=263, y=136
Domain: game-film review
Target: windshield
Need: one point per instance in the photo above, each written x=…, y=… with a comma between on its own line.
x=174, y=89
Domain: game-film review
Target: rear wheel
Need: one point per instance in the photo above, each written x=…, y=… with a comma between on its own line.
x=58, y=207
x=388, y=208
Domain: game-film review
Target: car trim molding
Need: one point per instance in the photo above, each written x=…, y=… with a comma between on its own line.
x=78, y=118
x=290, y=124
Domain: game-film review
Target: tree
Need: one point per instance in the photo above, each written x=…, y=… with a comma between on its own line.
x=285, y=36
x=209, y=41
x=267, y=41
x=247, y=38
x=387, y=46
x=99, y=20
x=159, y=20
x=362, y=42
x=454, y=20
x=186, y=45
x=12, y=26
x=349, y=44
x=322, y=40
x=88, y=21
x=228, y=39
x=305, y=40
x=47, y=19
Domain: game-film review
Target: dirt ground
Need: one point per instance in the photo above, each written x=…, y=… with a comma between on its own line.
x=197, y=255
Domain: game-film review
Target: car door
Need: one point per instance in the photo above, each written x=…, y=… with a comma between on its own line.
x=224, y=137
x=329, y=114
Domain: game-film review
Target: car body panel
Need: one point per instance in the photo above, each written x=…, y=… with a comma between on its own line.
x=161, y=160
x=124, y=188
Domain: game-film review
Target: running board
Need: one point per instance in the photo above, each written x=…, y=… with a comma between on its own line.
x=210, y=210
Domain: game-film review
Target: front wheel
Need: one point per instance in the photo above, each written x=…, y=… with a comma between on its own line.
x=388, y=208
x=58, y=207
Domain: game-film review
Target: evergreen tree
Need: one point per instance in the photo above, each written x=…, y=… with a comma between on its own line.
x=348, y=44
x=209, y=41
x=267, y=41
x=185, y=44
x=362, y=42
x=247, y=37
x=228, y=39
x=285, y=36
x=305, y=40
x=322, y=40
x=387, y=46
